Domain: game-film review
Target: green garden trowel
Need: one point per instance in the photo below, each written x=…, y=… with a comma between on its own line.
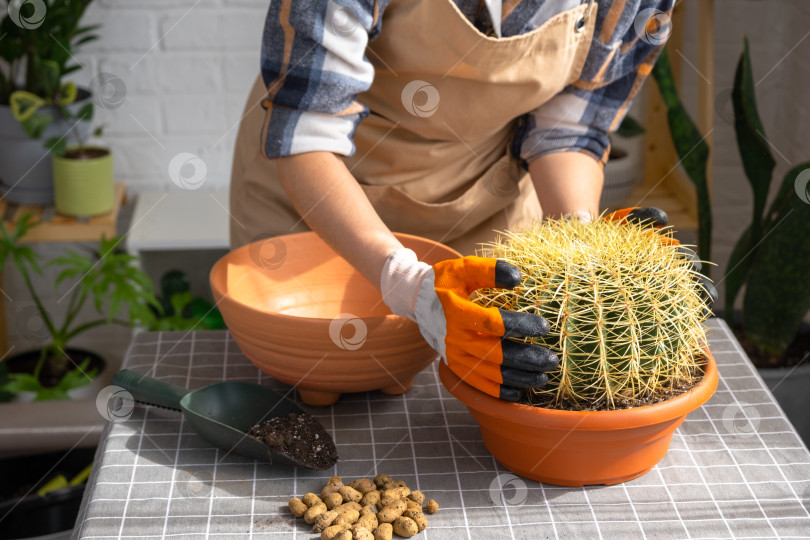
x=221, y=413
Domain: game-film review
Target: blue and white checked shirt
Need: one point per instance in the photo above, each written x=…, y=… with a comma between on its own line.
x=314, y=65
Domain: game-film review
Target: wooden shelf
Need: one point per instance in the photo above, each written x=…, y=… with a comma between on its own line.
x=55, y=227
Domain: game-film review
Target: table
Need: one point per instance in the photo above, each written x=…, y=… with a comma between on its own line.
x=162, y=221
x=736, y=467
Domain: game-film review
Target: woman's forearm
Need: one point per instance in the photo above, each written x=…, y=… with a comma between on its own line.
x=334, y=205
x=567, y=183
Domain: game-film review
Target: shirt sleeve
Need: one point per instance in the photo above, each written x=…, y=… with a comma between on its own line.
x=628, y=38
x=313, y=64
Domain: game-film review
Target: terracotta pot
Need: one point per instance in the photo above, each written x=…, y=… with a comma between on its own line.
x=305, y=316
x=577, y=448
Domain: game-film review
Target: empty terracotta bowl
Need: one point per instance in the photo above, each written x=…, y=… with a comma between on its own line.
x=305, y=316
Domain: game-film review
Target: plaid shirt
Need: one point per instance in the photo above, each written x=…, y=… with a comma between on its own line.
x=314, y=65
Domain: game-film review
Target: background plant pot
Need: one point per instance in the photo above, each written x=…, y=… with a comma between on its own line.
x=623, y=171
x=577, y=448
x=84, y=187
x=28, y=515
x=26, y=173
x=24, y=362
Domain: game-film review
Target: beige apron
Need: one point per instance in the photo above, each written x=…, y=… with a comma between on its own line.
x=433, y=154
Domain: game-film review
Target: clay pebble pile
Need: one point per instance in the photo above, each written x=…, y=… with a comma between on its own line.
x=365, y=509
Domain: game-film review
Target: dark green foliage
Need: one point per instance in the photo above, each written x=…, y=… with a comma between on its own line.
x=692, y=150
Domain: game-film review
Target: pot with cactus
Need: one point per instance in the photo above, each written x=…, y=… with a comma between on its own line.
x=626, y=312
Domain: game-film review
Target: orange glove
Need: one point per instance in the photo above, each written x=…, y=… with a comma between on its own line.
x=470, y=338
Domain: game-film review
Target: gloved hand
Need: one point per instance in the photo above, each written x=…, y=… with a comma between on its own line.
x=471, y=339
x=657, y=218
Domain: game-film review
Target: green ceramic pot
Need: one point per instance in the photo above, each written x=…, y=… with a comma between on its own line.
x=83, y=187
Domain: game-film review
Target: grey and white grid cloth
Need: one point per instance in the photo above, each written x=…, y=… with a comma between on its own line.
x=736, y=467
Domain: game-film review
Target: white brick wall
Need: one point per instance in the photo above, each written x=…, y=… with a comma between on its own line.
x=187, y=66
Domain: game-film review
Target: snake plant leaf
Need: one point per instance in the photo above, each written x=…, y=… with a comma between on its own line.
x=777, y=294
x=737, y=271
x=692, y=151
x=755, y=152
x=24, y=104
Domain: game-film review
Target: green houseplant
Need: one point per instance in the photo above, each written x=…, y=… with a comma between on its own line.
x=108, y=279
x=626, y=313
x=692, y=150
x=771, y=260
x=40, y=40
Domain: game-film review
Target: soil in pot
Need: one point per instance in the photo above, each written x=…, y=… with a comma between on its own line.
x=49, y=377
x=86, y=153
x=299, y=436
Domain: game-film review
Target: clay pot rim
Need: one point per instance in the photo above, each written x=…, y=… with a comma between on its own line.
x=223, y=296
x=646, y=415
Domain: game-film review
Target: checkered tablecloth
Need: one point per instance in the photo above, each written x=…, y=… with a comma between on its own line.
x=736, y=467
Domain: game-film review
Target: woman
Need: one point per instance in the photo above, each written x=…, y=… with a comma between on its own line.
x=423, y=117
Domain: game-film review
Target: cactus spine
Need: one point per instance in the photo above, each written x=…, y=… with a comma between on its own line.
x=625, y=311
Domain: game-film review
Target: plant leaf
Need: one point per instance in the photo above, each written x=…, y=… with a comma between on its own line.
x=57, y=145
x=777, y=294
x=757, y=159
x=67, y=93
x=35, y=124
x=692, y=150
x=629, y=127
x=24, y=104
x=86, y=112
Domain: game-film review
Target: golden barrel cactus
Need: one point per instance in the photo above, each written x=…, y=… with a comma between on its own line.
x=625, y=309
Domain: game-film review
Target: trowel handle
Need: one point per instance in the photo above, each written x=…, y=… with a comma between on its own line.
x=148, y=390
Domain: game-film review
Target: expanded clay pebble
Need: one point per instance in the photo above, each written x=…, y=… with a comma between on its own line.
x=297, y=507
x=313, y=512
x=364, y=509
x=369, y=521
x=385, y=531
x=350, y=494
x=405, y=527
x=363, y=485
x=370, y=498
x=332, y=500
x=417, y=496
x=431, y=507
x=418, y=517
x=331, y=532
x=381, y=479
x=361, y=533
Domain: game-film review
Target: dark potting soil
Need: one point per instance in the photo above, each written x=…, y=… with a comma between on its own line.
x=299, y=436
x=797, y=351
x=50, y=376
x=677, y=388
x=86, y=153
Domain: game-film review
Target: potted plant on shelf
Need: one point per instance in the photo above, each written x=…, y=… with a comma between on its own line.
x=38, y=46
x=626, y=314
x=108, y=277
x=771, y=260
